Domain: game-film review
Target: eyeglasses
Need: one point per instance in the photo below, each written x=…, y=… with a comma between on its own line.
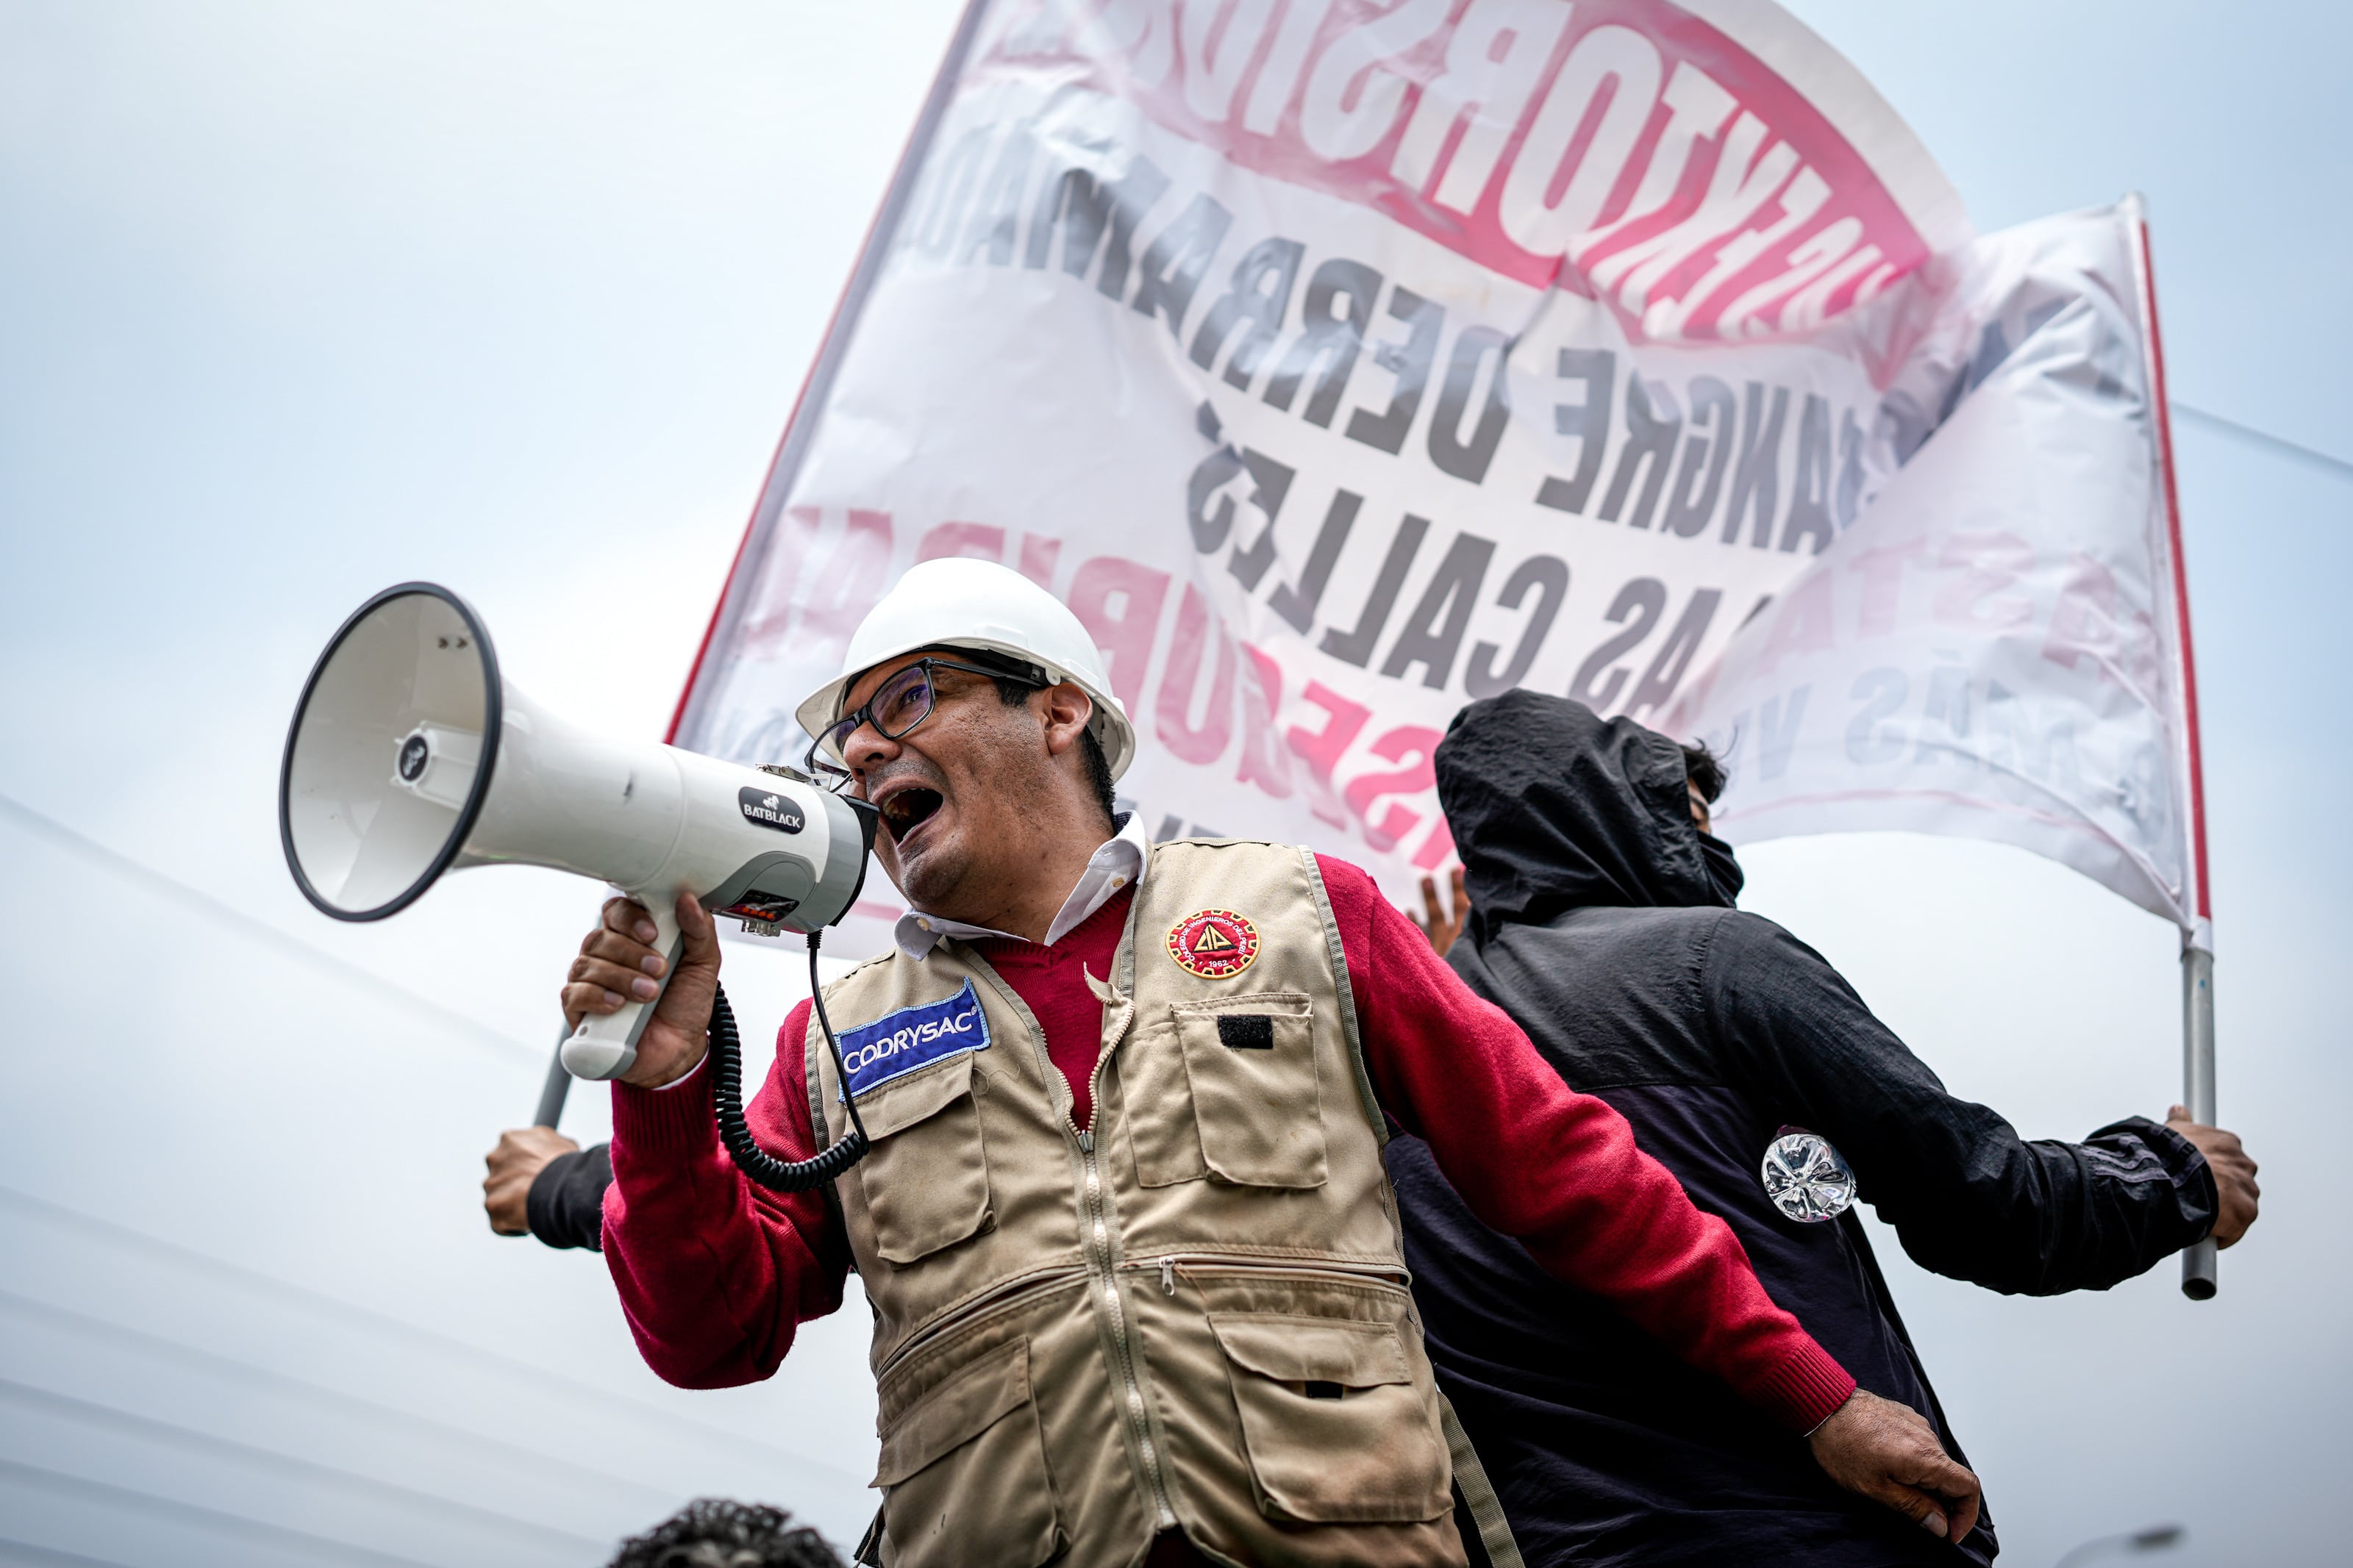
x=900, y=703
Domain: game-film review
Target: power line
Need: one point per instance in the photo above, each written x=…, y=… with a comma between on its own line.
x=231, y=1369
x=220, y=1520
x=429, y=1340
x=2292, y=450
x=285, y=1465
x=150, y=880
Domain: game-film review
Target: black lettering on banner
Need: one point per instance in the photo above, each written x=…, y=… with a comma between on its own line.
x=1850, y=484
x=1213, y=524
x=996, y=219
x=1637, y=607
x=1548, y=576
x=1706, y=459
x=1809, y=489
x=1327, y=336
x=1588, y=421
x=1273, y=483
x=1757, y=479
x=1297, y=606
x=1433, y=633
x=1651, y=432
x=1255, y=301
x=1094, y=215
x=1469, y=459
x=1881, y=692
x=1174, y=261
x=1666, y=671
x=1357, y=647
x=1409, y=363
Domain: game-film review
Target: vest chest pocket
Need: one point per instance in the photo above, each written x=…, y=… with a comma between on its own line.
x=1237, y=1099
x=964, y=1471
x=1336, y=1429
x=926, y=1182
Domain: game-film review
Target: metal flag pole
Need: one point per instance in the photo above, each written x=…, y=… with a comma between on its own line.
x=2199, y=1277
x=2198, y=1272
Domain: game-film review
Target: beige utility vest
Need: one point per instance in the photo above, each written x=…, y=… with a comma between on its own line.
x=1191, y=1313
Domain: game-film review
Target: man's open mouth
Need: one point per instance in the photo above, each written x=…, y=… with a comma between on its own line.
x=908, y=810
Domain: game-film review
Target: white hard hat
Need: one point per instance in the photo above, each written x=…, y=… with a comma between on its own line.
x=963, y=603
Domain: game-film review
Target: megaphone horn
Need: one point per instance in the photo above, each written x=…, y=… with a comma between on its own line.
x=410, y=756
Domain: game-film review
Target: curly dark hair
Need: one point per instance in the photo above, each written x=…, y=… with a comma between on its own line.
x=716, y=1532
x=1706, y=769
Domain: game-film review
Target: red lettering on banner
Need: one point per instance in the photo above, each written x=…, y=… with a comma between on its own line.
x=1118, y=601
x=1695, y=190
x=1406, y=740
x=983, y=541
x=851, y=582
x=1039, y=552
x=1322, y=750
x=1172, y=710
x=1265, y=761
x=1436, y=847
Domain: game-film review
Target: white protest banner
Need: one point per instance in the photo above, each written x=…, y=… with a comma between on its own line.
x=1340, y=361
x=1998, y=645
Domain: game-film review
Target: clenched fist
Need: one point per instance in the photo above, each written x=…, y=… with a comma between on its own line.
x=522, y=1154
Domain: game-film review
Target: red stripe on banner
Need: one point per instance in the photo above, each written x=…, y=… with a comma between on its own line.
x=2204, y=909
x=918, y=138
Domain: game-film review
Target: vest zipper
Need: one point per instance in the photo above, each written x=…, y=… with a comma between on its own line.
x=1354, y=1273
x=1010, y=1291
x=1100, y=1256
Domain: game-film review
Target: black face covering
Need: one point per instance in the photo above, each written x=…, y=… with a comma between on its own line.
x=1723, y=869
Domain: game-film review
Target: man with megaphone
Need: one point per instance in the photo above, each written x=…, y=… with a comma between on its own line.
x=1138, y=1289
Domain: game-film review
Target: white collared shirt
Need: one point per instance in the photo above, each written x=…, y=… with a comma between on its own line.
x=1117, y=864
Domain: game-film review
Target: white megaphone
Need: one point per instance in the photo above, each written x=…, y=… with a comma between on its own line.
x=409, y=757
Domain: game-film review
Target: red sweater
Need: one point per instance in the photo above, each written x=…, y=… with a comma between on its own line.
x=715, y=1274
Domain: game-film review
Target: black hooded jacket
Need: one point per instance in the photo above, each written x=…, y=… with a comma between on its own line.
x=1597, y=924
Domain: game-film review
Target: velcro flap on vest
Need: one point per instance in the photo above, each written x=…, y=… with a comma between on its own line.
x=954, y=1413
x=1313, y=1350
x=902, y=1102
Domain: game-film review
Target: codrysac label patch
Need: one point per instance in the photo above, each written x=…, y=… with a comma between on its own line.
x=1216, y=945
x=913, y=1038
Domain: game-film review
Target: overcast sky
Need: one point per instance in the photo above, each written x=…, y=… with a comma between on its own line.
x=300, y=301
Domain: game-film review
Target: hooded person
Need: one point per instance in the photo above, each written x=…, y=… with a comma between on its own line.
x=1602, y=921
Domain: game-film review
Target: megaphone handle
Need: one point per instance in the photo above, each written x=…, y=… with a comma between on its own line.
x=607, y=1046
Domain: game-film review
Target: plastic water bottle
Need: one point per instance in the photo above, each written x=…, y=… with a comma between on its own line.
x=1806, y=1178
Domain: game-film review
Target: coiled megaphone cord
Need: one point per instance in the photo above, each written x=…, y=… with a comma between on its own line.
x=727, y=1091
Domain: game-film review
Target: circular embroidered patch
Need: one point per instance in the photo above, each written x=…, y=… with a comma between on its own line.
x=1216, y=945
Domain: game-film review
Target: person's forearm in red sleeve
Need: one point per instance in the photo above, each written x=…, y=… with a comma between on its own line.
x=1560, y=1170
x=716, y=1274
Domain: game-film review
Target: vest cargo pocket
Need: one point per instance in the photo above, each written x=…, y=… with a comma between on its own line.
x=964, y=1472
x=1336, y=1430
x=926, y=1181
x=1249, y=1064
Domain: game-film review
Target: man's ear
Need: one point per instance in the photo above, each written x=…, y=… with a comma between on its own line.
x=1065, y=710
